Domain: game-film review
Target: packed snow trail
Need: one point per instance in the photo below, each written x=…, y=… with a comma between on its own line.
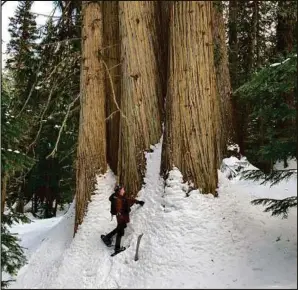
x=45, y=242
x=189, y=242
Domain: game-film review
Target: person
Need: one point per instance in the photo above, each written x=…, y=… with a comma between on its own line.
x=122, y=207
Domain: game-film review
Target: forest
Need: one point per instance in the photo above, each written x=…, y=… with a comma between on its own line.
x=97, y=86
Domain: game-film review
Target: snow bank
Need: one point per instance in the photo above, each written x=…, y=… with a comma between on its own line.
x=190, y=240
x=45, y=241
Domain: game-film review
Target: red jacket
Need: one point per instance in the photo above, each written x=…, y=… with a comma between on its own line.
x=123, y=205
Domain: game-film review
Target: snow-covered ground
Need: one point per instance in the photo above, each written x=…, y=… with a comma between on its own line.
x=189, y=242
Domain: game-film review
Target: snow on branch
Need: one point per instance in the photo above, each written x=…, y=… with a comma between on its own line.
x=62, y=126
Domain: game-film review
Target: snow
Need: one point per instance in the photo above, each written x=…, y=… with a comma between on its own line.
x=292, y=164
x=190, y=240
x=275, y=64
x=279, y=63
x=233, y=147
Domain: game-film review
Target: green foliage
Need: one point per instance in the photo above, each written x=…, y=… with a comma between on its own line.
x=12, y=129
x=13, y=161
x=22, y=63
x=44, y=80
x=277, y=207
x=12, y=255
x=271, y=122
x=271, y=131
x=274, y=177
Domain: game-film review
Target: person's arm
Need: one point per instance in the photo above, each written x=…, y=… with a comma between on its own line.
x=132, y=201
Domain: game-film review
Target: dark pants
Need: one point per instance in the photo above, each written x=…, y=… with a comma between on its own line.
x=119, y=230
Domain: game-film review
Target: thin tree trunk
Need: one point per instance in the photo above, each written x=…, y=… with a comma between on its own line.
x=91, y=153
x=252, y=38
x=258, y=44
x=192, y=112
x=3, y=192
x=140, y=125
x=234, y=73
x=233, y=43
x=225, y=131
x=111, y=54
x=286, y=19
x=285, y=34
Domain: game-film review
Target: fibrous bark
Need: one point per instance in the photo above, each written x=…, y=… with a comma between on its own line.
x=192, y=112
x=111, y=54
x=225, y=132
x=140, y=122
x=91, y=152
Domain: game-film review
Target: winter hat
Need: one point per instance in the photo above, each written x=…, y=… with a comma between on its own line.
x=118, y=188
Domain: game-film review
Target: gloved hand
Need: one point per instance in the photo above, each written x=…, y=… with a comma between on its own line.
x=141, y=203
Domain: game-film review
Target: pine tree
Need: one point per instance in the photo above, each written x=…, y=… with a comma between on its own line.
x=13, y=161
x=56, y=129
x=21, y=66
x=251, y=43
x=265, y=91
x=22, y=62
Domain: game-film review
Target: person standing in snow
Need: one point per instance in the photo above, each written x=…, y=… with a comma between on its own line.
x=121, y=209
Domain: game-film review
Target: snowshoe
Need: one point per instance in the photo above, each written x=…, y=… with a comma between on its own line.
x=117, y=251
x=107, y=241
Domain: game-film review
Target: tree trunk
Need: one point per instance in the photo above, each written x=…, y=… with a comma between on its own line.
x=190, y=142
x=140, y=122
x=234, y=72
x=233, y=43
x=3, y=192
x=162, y=23
x=111, y=54
x=225, y=131
x=91, y=152
x=258, y=30
x=286, y=19
x=252, y=38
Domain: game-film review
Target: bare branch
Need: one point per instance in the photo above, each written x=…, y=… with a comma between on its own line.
x=40, y=14
x=30, y=93
x=111, y=115
x=62, y=126
x=112, y=86
x=64, y=40
x=41, y=118
x=116, y=65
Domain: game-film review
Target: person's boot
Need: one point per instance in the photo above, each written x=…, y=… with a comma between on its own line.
x=118, y=243
x=107, y=240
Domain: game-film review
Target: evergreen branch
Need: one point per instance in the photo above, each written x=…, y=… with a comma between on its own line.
x=274, y=176
x=277, y=206
x=62, y=126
